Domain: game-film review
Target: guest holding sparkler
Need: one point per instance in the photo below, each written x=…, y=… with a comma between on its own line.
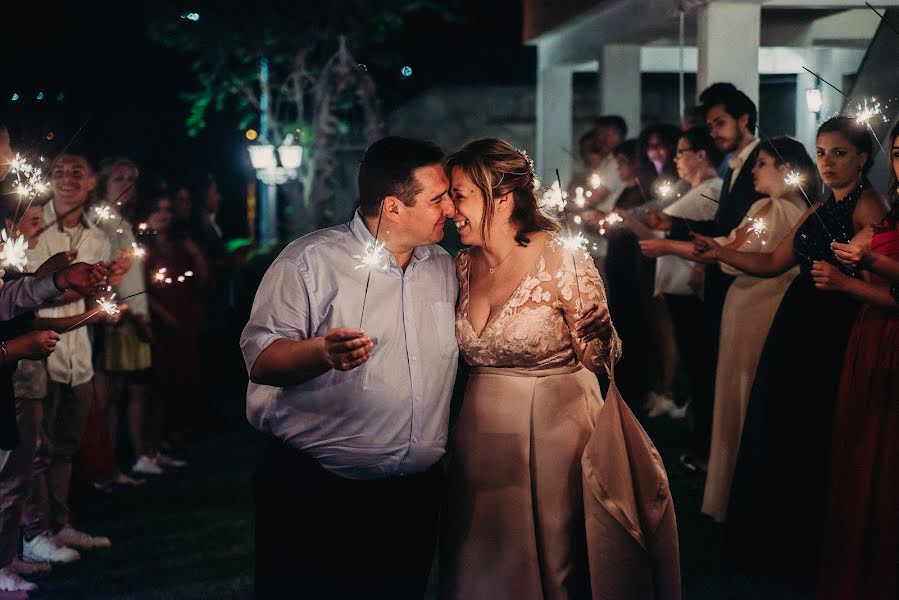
x=533, y=323
x=657, y=145
x=780, y=479
x=629, y=276
x=358, y=415
x=70, y=389
x=731, y=118
x=750, y=305
x=680, y=279
x=176, y=273
x=605, y=185
x=860, y=551
x=124, y=352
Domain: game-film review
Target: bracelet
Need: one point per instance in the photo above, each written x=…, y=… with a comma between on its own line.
x=5, y=355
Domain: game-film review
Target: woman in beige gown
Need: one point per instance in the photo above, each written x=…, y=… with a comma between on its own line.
x=750, y=306
x=533, y=324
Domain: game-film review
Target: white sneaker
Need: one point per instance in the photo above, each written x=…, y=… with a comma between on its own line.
x=164, y=460
x=145, y=465
x=45, y=548
x=69, y=536
x=11, y=582
x=122, y=479
x=660, y=404
x=21, y=567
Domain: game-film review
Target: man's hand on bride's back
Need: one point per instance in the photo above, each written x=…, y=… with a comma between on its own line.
x=595, y=322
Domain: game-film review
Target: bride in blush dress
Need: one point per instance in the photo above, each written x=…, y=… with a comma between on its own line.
x=532, y=322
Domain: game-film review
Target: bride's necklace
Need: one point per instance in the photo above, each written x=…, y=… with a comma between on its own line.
x=496, y=266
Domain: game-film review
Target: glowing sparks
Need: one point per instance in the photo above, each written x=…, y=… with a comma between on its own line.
x=612, y=218
x=13, y=253
x=577, y=219
x=103, y=212
x=137, y=251
x=865, y=112
x=579, y=198
x=793, y=178
x=141, y=228
x=159, y=276
x=29, y=180
x=758, y=226
x=108, y=305
x=594, y=181
x=574, y=242
x=554, y=197
x=372, y=256
x=665, y=188
x=188, y=273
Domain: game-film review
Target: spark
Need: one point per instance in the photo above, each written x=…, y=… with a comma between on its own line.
x=13, y=253
x=579, y=199
x=188, y=273
x=138, y=251
x=577, y=219
x=865, y=112
x=793, y=178
x=665, y=188
x=159, y=276
x=372, y=256
x=29, y=179
x=594, y=181
x=612, y=218
x=103, y=212
x=758, y=226
x=554, y=197
x=574, y=242
x=108, y=305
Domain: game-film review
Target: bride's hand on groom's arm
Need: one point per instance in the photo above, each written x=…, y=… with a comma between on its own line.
x=595, y=322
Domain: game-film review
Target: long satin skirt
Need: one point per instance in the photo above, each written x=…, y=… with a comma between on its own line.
x=514, y=525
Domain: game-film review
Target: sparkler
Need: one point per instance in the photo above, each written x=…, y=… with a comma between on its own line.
x=29, y=179
x=103, y=212
x=758, y=227
x=594, y=181
x=138, y=251
x=370, y=257
x=795, y=179
x=575, y=243
x=13, y=253
x=665, y=188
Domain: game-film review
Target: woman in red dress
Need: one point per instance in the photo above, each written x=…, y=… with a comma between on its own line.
x=176, y=273
x=860, y=549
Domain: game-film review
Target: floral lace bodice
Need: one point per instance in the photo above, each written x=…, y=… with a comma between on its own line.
x=535, y=327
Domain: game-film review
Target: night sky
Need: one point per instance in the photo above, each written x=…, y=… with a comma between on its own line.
x=100, y=73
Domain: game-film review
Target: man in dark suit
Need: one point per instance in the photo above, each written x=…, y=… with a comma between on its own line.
x=731, y=118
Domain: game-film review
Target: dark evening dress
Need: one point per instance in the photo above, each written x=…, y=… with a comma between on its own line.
x=860, y=549
x=777, y=499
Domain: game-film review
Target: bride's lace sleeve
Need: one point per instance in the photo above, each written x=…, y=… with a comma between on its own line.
x=579, y=283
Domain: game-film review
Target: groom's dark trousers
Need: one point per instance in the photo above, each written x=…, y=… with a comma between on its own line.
x=319, y=535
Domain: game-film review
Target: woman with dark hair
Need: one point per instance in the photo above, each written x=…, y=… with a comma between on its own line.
x=532, y=322
x=750, y=305
x=776, y=502
x=629, y=276
x=657, y=146
x=175, y=273
x=860, y=548
x=678, y=279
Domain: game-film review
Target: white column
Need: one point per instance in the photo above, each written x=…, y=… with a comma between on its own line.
x=554, y=143
x=728, y=42
x=619, y=84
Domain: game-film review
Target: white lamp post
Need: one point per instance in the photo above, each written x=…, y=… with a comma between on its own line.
x=271, y=174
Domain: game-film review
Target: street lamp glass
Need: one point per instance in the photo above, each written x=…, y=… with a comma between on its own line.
x=291, y=156
x=262, y=156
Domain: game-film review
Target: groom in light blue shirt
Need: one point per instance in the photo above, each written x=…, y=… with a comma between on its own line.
x=348, y=493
